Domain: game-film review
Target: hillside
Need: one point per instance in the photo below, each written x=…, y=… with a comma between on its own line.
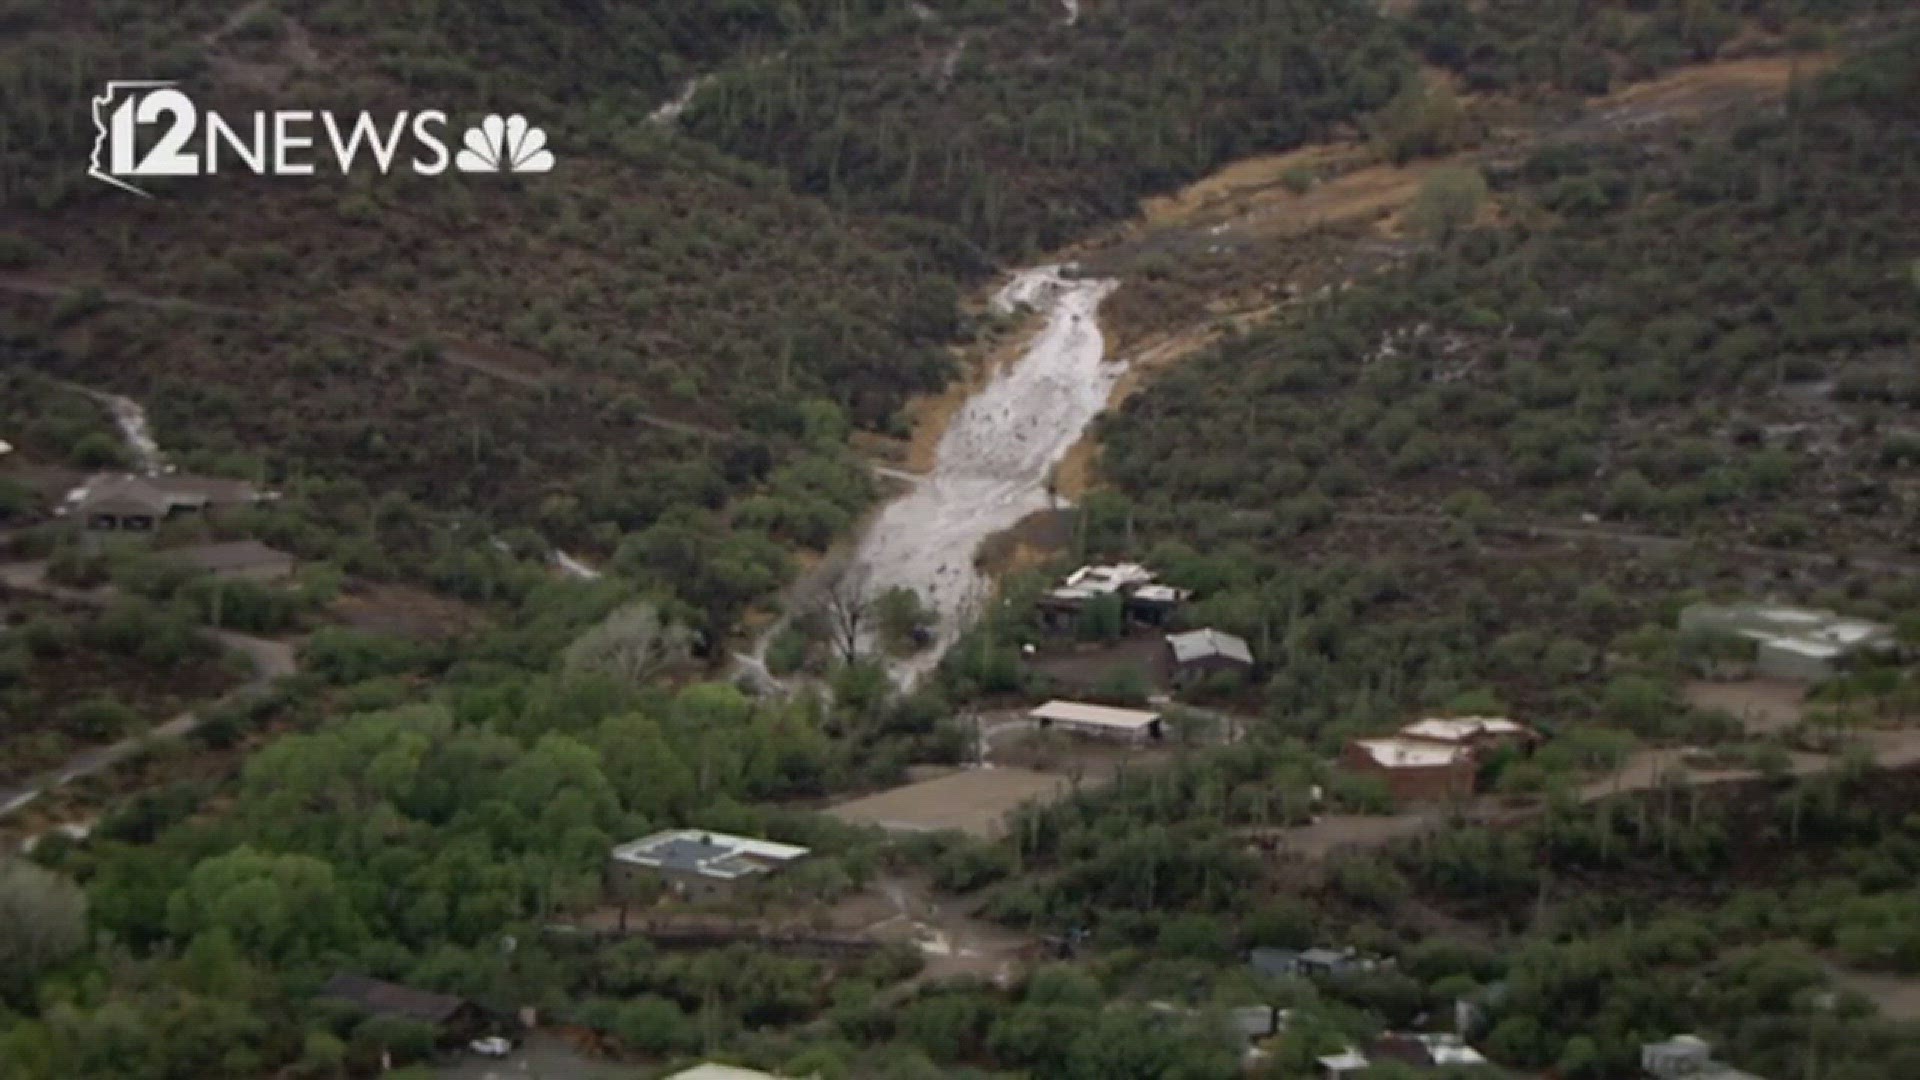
x=1466, y=341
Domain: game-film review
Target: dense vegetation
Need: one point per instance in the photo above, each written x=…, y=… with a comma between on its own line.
x=662, y=359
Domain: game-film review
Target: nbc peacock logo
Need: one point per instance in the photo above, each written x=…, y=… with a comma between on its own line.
x=504, y=145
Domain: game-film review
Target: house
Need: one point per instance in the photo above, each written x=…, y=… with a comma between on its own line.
x=1154, y=604
x=126, y=504
x=1686, y=1057
x=1140, y=597
x=1101, y=721
x=693, y=862
x=140, y=503
x=1427, y=1051
x=711, y=1071
x=1312, y=963
x=236, y=560
x=454, y=1018
x=1197, y=654
x=1481, y=734
x=1801, y=644
x=1414, y=770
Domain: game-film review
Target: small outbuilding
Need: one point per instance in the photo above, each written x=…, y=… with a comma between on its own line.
x=1100, y=721
x=1197, y=654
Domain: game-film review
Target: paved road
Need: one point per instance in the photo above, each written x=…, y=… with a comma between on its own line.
x=271, y=660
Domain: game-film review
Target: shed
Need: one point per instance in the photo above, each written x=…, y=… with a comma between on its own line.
x=1135, y=725
x=1196, y=654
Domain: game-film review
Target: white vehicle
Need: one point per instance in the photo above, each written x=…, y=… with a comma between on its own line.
x=491, y=1046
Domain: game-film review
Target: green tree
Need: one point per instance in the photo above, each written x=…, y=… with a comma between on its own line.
x=1448, y=201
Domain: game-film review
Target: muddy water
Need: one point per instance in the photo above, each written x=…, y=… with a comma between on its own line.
x=992, y=464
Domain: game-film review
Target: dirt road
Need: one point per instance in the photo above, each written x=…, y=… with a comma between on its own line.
x=270, y=659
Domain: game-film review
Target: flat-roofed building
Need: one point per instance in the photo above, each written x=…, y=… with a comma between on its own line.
x=1101, y=721
x=695, y=862
x=1805, y=644
x=1414, y=770
x=1479, y=733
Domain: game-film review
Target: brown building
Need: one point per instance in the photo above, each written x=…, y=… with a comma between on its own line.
x=1414, y=771
x=454, y=1018
x=141, y=503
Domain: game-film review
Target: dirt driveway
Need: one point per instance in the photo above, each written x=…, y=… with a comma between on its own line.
x=1763, y=706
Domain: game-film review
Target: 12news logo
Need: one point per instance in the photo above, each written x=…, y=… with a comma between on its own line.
x=289, y=142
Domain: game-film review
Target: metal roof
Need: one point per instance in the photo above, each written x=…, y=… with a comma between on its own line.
x=1201, y=644
x=1412, y=753
x=1075, y=712
x=1462, y=729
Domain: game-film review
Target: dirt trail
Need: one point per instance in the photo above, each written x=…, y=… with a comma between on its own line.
x=270, y=659
x=505, y=364
x=995, y=459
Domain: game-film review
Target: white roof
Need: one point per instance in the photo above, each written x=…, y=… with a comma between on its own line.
x=1161, y=594
x=712, y=854
x=721, y=1072
x=1348, y=1060
x=1412, y=753
x=1462, y=729
x=5, y=447
x=1106, y=579
x=1200, y=644
x=1450, y=1050
x=1818, y=650
x=1075, y=712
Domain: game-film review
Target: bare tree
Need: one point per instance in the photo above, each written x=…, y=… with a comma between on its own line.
x=633, y=643
x=43, y=920
x=845, y=607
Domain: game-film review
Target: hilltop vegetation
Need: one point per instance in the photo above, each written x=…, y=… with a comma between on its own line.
x=659, y=353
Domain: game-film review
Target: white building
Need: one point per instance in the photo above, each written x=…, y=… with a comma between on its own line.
x=1132, y=725
x=1805, y=644
x=697, y=861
